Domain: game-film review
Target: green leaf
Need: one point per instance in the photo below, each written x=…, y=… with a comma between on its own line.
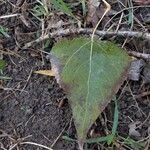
x=60, y=5
x=68, y=139
x=2, y=64
x=4, y=31
x=115, y=124
x=83, y=6
x=133, y=144
x=97, y=140
x=90, y=81
x=116, y=117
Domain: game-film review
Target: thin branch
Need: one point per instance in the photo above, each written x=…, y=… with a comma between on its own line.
x=40, y=39
x=66, y=32
x=36, y=144
x=9, y=16
x=139, y=55
x=60, y=134
x=27, y=80
x=119, y=33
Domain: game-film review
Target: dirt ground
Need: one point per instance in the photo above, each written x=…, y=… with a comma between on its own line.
x=30, y=108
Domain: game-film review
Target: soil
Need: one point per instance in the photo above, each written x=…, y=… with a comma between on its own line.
x=30, y=108
x=30, y=105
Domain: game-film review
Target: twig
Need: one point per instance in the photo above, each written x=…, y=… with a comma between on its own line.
x=27, y=80
x=147, y=93
x=139, y=55
x=9, y=16
x=120, y=20
x=60, y=134
x=119, y=33
x=36, y=144
x=143, y=123
x=13, y=146
x=66, y=32
x=142, y=6
x=40, y=39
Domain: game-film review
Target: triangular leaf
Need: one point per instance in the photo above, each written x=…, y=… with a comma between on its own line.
x=90, y=81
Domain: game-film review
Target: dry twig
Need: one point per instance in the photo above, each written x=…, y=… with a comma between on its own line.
x=66, y=32
x=60, y=134
x=98, y=33
x=9, y=16
x=36, y=144
x=139, y=55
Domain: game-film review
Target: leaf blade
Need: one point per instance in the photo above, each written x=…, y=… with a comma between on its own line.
x=108, y=67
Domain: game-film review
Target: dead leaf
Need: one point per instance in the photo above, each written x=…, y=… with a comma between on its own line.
x=91, y=16
x=95, y=13
x=46, y=72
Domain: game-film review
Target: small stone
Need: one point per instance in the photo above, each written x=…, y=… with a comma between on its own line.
x=135, y=69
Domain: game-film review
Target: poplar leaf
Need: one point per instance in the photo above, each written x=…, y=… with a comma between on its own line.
x=90, y=80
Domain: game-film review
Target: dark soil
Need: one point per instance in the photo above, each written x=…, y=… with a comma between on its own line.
x=30, y=103
x=31, y=107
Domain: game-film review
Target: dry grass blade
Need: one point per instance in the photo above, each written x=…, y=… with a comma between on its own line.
x=46, y=72
x=55, y=141
x=9, y=16
x=36, y=144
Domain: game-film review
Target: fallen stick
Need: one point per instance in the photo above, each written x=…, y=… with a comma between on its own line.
x=9, y=16
x=66, y=32
x=99, y=33
x=139, y=55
